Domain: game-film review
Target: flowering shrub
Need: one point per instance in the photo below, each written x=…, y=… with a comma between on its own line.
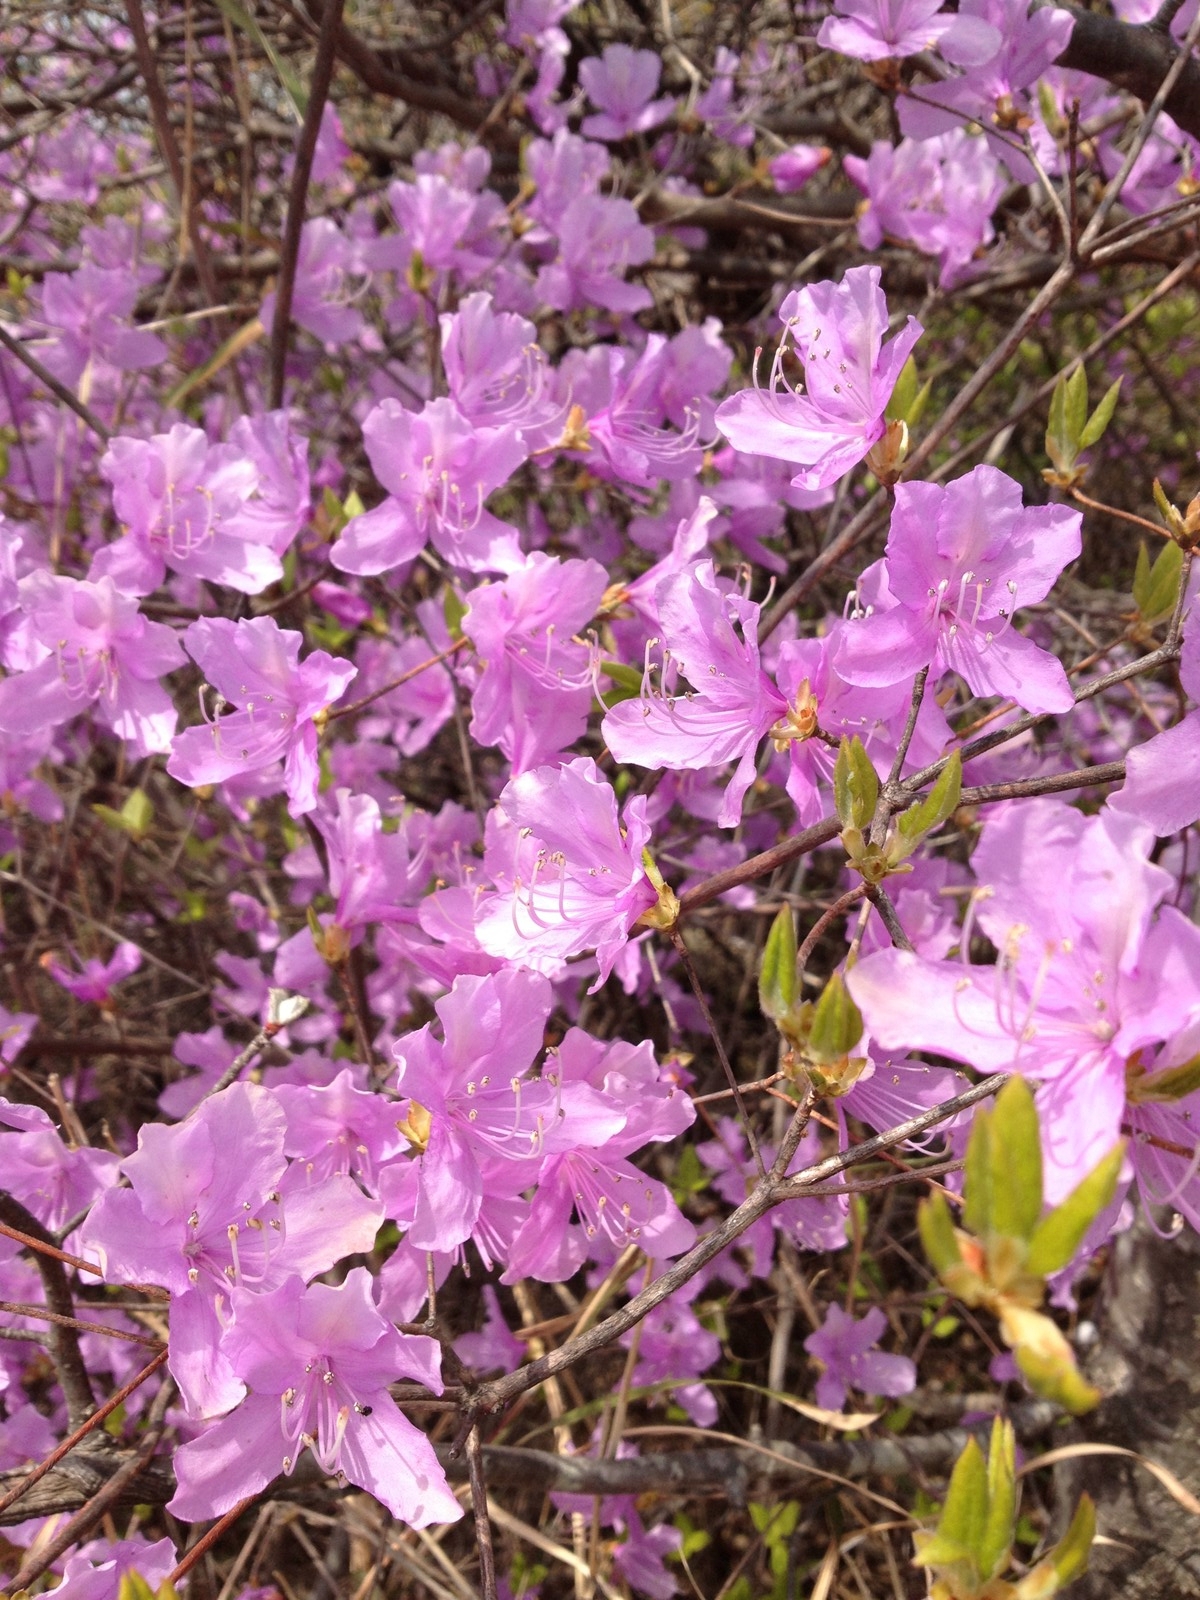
x=528, y=827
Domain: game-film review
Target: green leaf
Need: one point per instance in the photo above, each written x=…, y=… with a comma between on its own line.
x=777, y=975
x=1069, y=1557
x=903, y=395
x=1058, y=1236
x=1016, y=1154
x=1075, y=408
x=454, y=609
x=977, y=1176
x=996, y=1545
x=855, y=784
x=941, y=802
x=690, y=1176
x=1099, y=420
x=837, y=1023
x=1156, y=588
x=936, y=1227
x=135, y=818
x=134, y=1587
x=1163, y=1088
x=1059, y=446
x=965, y=1512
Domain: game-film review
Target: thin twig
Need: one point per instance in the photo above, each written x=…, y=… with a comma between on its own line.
x=318, y=93
x=44, y=375
x=483, y=1525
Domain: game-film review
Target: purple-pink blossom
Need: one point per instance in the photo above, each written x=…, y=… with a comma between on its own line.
x=837, y=331
x=255, y=666
x=961, y=560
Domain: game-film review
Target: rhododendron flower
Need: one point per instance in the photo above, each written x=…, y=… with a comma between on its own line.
x=96, y=650
x=960, y=560
x=711, y=637
x=1162, y=776
x=792, y=168
x=599, y=237
x=91, y=311
x=496, y=371
x=181, y=499
x=96, y=1571
x=51, y=1179
x=623, y=409
x=622, y=83
x=535, y=690
x=256, y=666
x=845, y=1350
x=212, y=1207
x=876, y=30
x=320, y=298
x=318, y=1362
x=1092, y=971
x=849, y=375
x=1005, y=47
x=939, y=194
x=95, y=981
x=569, y=873
x=474, y=1097
x=438, y=469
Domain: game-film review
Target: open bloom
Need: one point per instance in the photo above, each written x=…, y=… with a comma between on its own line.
x=961, y=559
x=711, y=637
x=255, y=665
x=318, y=1362
x=569, y=873
x=845, y=1349
x=438, y=468
x=213, y=1207
x=849, y=374
x=1162, y=776
x=622, y=83
x=1092, y=973
x=95, y=650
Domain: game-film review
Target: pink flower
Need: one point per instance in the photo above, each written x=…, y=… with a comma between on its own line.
x=535, y=689
x=599, y=237
x=960, y=560
x=849, y=375
x=181, y=500
x=439, y=469
x=622, y=83
x=1089, y=974
x=1162, y=776
x=256, y=667
x=939, y=194
x=844, y=1349
x=710, y=637
x=318, y=1362
x=96, y=650
x=568, y=872
x=94, y=983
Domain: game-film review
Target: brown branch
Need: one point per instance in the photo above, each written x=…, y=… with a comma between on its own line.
x=380, y=77
x=732, y=1471
x=766, y=1194
x=62, y=1338
x=1135, y=57
x=306, y=145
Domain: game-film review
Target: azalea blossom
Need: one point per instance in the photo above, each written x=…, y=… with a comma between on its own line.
x=317, y=1362
x=568, y=870
x=837, y=332
x=960, y=560
x=255, y=666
